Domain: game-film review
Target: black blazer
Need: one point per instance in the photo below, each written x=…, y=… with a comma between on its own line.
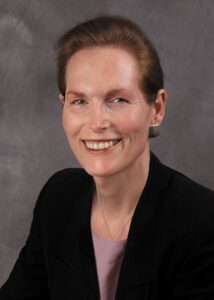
x=169, y=253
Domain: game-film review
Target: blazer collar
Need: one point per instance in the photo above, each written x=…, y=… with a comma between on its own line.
x=138, y=262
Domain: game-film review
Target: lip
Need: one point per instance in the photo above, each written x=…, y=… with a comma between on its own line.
x=100, y=140
x=109, y=149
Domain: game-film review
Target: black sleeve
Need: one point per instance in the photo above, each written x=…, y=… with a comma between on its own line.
x=195, y=279
x=28, y=279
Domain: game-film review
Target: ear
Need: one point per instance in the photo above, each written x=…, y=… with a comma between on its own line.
x=159, y=107
x=61, y=98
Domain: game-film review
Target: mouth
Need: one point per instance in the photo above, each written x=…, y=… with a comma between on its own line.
x=101, y=144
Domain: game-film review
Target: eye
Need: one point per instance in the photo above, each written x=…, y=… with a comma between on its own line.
x=119, y=100
x=79, y=101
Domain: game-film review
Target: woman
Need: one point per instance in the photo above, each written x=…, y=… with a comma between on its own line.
x=125, y=226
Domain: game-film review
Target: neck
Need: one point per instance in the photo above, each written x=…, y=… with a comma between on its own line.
x=119, y=198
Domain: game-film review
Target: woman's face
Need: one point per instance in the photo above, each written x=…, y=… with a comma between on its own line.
x=105, y=116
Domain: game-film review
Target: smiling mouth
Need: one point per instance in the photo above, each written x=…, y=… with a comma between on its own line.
x=100, y=145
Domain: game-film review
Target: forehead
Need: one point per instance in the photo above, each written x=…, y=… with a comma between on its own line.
x=105, y=67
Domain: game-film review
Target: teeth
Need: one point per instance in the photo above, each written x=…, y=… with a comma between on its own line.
x=100, y=145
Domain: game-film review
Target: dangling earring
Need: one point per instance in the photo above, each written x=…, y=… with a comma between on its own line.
x=154, y=130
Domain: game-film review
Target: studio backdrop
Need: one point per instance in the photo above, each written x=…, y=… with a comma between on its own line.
x=32, y=142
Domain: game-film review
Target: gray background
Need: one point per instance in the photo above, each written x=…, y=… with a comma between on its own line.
x=32, y=141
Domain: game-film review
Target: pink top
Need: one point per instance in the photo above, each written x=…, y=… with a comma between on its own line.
x=109, y=255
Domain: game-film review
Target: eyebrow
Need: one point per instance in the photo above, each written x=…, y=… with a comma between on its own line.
x=115, y=92
x=77, y=94
x=108, y=94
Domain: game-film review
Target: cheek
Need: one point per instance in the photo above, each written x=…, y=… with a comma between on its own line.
x=133, y=124
x=70, y=124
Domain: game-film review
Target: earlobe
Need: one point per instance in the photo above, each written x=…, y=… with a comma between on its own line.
x=61, y=98
x=158, y=113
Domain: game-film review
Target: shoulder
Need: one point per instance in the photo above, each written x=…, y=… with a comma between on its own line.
x=185, y=218
x=180, y=187
x=184, y=189
x=188, y=207
x=68, y=175
x=61, y=192
x=67, y=180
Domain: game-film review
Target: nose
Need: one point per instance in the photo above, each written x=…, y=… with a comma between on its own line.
x=99, y=117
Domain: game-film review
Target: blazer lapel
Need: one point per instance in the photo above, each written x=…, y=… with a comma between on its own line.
x=86, y=250
x=74, y=246
x=137, y=266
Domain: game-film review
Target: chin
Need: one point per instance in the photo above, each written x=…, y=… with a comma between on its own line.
x=99, y=171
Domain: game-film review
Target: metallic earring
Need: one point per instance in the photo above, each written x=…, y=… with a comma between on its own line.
x=154, y=130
